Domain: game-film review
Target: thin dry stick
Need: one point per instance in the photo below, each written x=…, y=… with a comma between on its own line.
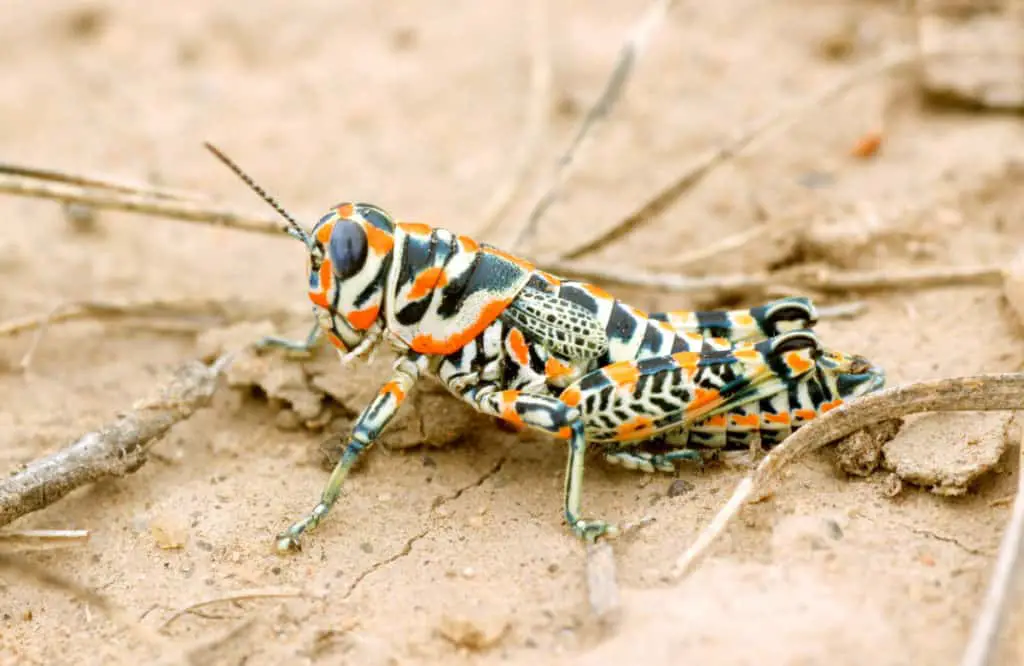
x=116, y=450
x=716, y=157
x=241, y=595
x=636, y=42
x=823, y=281
x=228, y=310
x=43, y=538
x=976, y=393
x=187, y=211
x=538, y=101
x=1006, y=582
x=68, y=178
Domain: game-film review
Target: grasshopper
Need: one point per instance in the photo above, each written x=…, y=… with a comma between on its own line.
x=560, y=356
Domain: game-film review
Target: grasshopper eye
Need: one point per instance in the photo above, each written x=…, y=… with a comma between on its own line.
x=347, y=248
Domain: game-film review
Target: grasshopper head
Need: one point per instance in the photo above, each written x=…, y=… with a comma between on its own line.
x=349, y=252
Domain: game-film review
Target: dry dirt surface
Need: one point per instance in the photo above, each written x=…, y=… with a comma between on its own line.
x=458, y=553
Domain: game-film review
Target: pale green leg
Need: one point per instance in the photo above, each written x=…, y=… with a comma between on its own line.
x=304, y=346
x=368, y=427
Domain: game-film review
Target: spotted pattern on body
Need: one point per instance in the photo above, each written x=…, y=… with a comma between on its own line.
x=555, y=355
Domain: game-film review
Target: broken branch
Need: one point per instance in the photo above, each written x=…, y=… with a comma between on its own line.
x=116, y=450
x=974, y=393
x=1005, y=588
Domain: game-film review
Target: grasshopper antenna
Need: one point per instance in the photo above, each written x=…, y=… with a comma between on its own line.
x=294, y=228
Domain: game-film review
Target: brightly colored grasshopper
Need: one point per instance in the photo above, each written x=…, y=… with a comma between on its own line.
x=560, y=356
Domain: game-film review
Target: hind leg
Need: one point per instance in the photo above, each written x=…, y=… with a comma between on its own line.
x=554, y=417
x=645, y=461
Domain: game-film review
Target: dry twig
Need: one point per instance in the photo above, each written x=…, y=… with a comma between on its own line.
x=818, y=280
x=713, y=158
x=976, y=393
x=116, y=450
x=149, y=204
x=241, y=595
x=104, y=183
x=636, y=41
x=538, y=101
x=1006, y=588
x=43, y=538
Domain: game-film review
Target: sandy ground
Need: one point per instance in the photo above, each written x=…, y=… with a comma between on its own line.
x=419, y=108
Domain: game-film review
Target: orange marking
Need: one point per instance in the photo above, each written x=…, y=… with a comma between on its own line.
x=565, y=432
x=687, y=359
x=782, y=419
x=363, y=319
x=743, y=320
x=747, y=354
x=829, y=406
x=522, y=263
x=716, y=421
x=345, y=210
x=745, y=420
x=430, y=279
x=867, y=145
x=395, y=389
x=379, y=241
x=319, y=297
x=323, y=234
x=469, y=244
x=638, y=312
x=623, y=374
x=336, y=341
x=555, y=369
x=508, y=408
x=702, y=397
x=428, y=344
x=796, y=362
x=638, y=426
x=597, y=292
x=804, y=414
x=415, y=228
x=549, y=277
x=571, y=396
x=517, y=343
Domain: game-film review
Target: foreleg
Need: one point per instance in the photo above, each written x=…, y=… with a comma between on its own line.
x=368, y=427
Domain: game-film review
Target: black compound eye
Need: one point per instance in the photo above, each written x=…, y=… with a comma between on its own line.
x=347, y=248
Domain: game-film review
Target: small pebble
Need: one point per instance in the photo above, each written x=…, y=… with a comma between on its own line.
x=366, y=547
x=679, y=487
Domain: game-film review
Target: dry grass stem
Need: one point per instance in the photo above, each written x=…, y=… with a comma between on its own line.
x=102, y=183
x=636, y=41
x=241, y=595
x=823, y=281
x=147, y=204
x=713, y=158
x=538, y=100
x=974, y=393
x=115, y=450
x=1006, y=588
x=225, y=311
x=42, y=538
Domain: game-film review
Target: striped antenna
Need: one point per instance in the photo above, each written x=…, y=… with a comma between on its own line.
x=294, y=228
